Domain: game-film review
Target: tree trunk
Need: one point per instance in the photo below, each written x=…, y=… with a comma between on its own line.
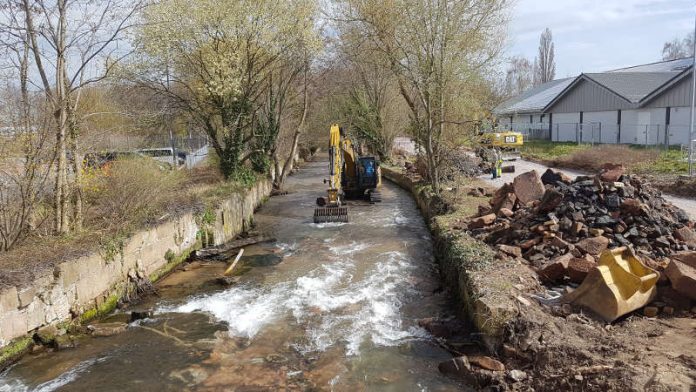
x=77, y=185
x=61, y=220
x=289, y=162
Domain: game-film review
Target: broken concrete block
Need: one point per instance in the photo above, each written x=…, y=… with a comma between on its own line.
x=631, y=206
x=559, y=243
x=683, y=277
x=482, y=221
x=487, y=363
x=530, y=243
x=515, y=251
x=508, y=202
x=556, y=269
x=506, y=212
x=528, y=187
x=500, y=194
x=551, y=199
x=593, y=246
x=579, y=268
x=611, y=172
x=686, y=234
x=551, y=177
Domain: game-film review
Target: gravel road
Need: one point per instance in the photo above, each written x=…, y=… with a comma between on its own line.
x=522, y=166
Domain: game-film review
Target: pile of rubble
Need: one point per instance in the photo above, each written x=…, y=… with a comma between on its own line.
x=455, y=163
x=561, y=226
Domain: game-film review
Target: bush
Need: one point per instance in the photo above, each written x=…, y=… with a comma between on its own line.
x=131, y=191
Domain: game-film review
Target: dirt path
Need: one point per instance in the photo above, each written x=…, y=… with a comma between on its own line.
x=522, y=166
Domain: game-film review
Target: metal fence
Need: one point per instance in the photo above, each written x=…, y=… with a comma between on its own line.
x=650, y=135
x=532, y=131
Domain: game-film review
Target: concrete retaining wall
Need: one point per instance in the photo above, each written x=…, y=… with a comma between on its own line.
x=88, y=283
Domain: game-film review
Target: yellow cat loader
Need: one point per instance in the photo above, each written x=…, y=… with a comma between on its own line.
x=508, y=142
x=350, y=177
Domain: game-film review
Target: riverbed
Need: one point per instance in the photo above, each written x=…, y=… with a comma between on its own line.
x=325, y=307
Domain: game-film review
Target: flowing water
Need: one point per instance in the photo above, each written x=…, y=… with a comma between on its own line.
x=326, y=307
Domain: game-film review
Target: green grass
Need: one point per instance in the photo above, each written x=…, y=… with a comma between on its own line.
x=547, y=150
x=670, y=161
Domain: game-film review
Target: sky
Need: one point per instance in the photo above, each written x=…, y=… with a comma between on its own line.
x=599, y=35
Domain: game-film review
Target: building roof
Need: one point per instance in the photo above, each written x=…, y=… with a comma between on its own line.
x=534, y=99
x=633, y=86
x=660, y=66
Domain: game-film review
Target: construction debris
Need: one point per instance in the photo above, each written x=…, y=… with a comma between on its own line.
x=553, y=216
x=681, y=271
x=561, y=226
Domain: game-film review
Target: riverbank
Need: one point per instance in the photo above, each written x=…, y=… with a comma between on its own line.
x=486, y=287
x=543, y=347
x=91, y=285
x=335, y=306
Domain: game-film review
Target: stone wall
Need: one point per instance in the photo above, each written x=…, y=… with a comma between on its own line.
x=77, y=287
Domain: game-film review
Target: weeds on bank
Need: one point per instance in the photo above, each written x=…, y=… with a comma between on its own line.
x=638, y=159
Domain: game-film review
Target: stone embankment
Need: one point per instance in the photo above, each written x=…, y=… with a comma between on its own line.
x=488, y=289
x=92, y=285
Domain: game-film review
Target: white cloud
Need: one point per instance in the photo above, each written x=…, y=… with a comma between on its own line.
x=594, y=35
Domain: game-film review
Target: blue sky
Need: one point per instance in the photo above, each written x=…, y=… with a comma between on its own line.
x=598, y=35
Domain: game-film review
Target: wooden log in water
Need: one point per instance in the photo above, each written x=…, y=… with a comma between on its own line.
x=232, y=245
x=234, y=263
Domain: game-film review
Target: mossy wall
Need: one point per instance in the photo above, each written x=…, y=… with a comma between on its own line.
x=482, y=284
x=91, y=286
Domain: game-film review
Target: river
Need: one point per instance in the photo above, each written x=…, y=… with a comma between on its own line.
x=326, y=307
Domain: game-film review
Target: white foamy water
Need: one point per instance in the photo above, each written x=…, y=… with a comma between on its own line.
x=71, y=375
x=337, y=306
x=328, y=224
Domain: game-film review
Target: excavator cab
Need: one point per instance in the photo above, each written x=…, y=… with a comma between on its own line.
x=369, y=178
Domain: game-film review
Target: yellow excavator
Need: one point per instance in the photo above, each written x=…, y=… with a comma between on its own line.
x=351, y=176
x=508, y=142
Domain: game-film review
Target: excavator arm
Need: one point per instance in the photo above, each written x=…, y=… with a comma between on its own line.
x=330, y=209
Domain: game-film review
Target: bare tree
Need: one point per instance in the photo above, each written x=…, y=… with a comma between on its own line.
x=544, y=63
x=519, y=76
x=25, y=158
x=371, y=104
x=678, y=48
x=435, y=49
x=73, y=43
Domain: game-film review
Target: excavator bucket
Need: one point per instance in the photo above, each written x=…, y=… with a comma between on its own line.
x=330, y=214
x=620, y=284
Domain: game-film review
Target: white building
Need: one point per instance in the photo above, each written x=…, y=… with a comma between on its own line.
x=645, y=104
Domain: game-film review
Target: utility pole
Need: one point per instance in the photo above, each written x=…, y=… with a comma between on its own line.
x=693, y=102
